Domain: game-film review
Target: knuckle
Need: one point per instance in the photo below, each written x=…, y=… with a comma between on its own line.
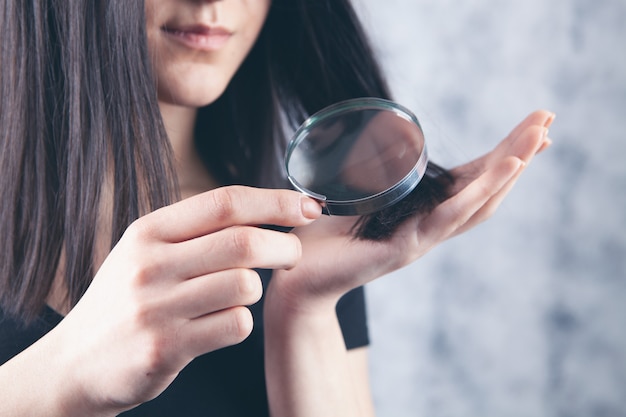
x=140, y=230
x=142, y=314
x=244, y=242
x=155, y=353
x=286, y=205
x=223, y=202
x=143, y=269
x=155, y=347
x=139, y=274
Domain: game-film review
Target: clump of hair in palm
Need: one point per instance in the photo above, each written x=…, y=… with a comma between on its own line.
x=435, y=187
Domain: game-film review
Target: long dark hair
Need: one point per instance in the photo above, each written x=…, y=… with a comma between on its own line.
x=78, y=103
x=311, y=53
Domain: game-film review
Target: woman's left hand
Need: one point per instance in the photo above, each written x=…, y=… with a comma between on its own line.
x=333, y=262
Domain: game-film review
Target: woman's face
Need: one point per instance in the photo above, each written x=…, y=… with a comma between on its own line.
x=197, y=45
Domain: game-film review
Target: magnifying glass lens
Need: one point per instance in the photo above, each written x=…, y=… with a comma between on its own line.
x=357, y=156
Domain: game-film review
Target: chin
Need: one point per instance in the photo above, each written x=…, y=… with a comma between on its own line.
x=193, y=97
x=193, y=89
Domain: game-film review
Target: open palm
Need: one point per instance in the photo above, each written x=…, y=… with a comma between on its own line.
x=333, y=262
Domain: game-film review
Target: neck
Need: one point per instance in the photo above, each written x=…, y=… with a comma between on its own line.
x=193, y=175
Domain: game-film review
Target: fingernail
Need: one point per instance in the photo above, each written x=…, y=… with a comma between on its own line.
x=550, y=120
x=545, y=145
x=310, y=208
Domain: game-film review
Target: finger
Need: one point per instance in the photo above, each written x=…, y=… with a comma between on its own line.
x=215, y=331
x=525, y=146
x=490, y=207
x=228, y=206
x=455, y=212
x=510, y=146
x=547, y=142
x=234, y=247
x=541, y=118
x=200, y=296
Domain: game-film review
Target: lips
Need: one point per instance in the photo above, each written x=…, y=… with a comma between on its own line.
x=199, y=36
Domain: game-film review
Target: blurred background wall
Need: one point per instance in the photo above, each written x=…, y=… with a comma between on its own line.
x=525, y=315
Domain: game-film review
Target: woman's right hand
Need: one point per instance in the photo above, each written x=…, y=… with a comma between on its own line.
x=174, y=287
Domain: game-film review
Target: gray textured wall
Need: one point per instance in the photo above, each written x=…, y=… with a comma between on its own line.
x=525, y=315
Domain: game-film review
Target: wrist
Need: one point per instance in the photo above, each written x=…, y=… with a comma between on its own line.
x=76, y=398
x=45, y=385
x=305, y=354
x=75, y=395
x=284, y=297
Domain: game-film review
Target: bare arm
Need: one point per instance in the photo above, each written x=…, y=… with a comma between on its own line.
x=309, y=370
x=358, y=359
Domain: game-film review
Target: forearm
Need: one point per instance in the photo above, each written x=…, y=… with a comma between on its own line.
x=307, y=367
x=37, y=383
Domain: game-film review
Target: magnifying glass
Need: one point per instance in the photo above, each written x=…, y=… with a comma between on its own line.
x=358, y=156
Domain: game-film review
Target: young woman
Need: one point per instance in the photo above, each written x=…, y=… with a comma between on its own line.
x=132, y=263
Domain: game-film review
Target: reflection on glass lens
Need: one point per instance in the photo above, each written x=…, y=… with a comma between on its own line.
x=355, y=151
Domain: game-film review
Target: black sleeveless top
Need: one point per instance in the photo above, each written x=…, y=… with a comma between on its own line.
x=228, y=382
